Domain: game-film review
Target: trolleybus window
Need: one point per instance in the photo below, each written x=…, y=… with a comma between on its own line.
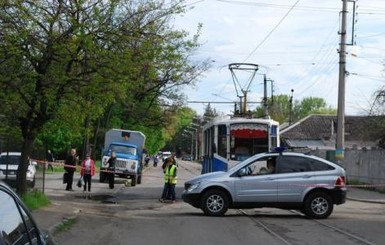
x=248, y=139
x=222, y=140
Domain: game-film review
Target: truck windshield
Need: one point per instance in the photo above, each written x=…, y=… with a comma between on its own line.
x=124, y=149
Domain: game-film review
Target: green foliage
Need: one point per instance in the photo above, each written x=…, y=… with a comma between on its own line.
x=60, y=136
x=35, y=199
x=69, y=72
x=182, y=130
x=209, y=113
x=280, y=110
x=312, y=105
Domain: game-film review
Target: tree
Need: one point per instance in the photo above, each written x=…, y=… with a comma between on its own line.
x=312, y=105
x=280, y=110
x=377, y=111
x=181, y=130
x=209, y=113
x=70, y=61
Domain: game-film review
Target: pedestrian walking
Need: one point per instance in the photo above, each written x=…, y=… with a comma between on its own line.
x=70, y=168
x=50, y=159
x=87, y=171
x=146, y=160
x=111, y=170
x=156, y=160
x=170, y=180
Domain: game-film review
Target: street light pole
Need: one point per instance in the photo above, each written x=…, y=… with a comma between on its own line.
x=192, y=144
x=340, y=140
x=192, y=141
x=196, y=128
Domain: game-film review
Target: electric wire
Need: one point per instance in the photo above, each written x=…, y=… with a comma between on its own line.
x=323, y=62
x=271, y=32
x=279, y=6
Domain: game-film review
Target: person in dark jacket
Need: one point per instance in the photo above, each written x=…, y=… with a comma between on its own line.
x=50, y=159
x=111, y=170
x=70, y=168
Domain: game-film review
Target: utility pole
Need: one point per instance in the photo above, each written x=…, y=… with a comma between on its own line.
x=266, y=112
x=340, y=141
x=291, y=107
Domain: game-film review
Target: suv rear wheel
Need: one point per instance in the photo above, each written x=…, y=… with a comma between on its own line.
x=318, y=205
x=214, y=203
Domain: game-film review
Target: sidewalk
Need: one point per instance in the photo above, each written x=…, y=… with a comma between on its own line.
x=362, y=195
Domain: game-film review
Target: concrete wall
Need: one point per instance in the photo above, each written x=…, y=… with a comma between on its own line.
x=365, y=166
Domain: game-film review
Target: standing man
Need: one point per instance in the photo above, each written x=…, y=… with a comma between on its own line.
x=170, y=180
x=111, y=170
x=50, y=159
x=70, y=168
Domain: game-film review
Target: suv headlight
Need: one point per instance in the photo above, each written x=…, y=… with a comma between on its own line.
x=192, y=187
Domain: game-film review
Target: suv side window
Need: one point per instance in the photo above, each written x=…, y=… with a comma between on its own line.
x=320, y=166
x=262, y=166
x=293, y=164
x=15, y=225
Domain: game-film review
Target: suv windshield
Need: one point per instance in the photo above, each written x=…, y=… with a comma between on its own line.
x=246, y=160
x=10, y=160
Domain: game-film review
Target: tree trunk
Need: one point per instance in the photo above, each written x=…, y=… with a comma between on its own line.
x=21, y=184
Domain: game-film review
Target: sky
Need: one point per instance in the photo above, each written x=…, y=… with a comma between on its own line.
x=295, y=44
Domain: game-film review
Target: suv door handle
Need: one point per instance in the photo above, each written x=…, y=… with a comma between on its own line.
x=306, y=176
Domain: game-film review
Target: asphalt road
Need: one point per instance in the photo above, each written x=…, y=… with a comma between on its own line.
x=133, y=215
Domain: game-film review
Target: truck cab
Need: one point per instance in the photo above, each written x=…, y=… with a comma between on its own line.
x=128, y=146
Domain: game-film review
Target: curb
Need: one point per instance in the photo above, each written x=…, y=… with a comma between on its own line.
x=55, y=227
x=365, y=200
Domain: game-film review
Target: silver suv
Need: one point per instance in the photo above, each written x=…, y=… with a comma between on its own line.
x=281, y=180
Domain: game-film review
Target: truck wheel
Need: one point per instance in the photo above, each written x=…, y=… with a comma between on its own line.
x=139, y=180
x=133, y=180
x=214, y=203
x=318, y=205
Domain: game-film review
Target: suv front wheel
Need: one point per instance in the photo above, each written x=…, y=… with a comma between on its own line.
x=214, y=202
x=318, y=205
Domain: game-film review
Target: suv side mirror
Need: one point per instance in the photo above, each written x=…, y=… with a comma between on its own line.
x=242, y=172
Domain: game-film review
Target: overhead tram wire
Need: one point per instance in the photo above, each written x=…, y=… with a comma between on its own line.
x=220, y=102
x=279, y=6
x=323, y=60
x=324, y=57
x=367, y=9
x=271, y=32
x=330, y=60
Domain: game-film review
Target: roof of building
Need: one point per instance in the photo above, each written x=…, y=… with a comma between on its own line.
x=320, y=130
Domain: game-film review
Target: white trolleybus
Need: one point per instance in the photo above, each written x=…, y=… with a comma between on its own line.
x=227, y=141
